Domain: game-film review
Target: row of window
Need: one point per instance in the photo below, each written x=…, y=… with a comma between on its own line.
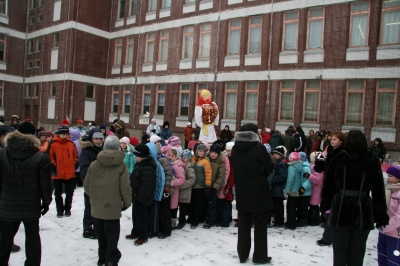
x=33, y=64
x=32, y=19
x=35, y=45
x=36, y=3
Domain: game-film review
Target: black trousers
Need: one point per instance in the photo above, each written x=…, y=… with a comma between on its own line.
x=183, y=211
x=69, y=193
x=279, y=211
x=260, y=235
x=327, y=235
x=186, y=144
x=349, y=246
x=154, y=218
x=141, y=221
x=302, y=208
x=165, y=216
x=212, y=207
x=33, y=247
x=87, y=213
x=196, y=205
x=313, y=215
x=291, y=206
x=78, y=179
x=107, y=232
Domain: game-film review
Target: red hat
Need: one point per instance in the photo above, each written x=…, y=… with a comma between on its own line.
x=80, y=121
x=65, y=122
x=27, y=119
x=134, y=141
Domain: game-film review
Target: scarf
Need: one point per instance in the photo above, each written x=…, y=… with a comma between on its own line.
x=389, y=190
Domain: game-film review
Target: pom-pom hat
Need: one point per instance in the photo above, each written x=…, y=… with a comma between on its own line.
x=394, y=171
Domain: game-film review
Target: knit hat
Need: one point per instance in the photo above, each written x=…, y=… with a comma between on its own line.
x=154, y=139
x=178, y=151
x=220, y=143
x=125, y=140
x=249, y=127
x=303, y=156
x=186, y=154
x=80, y=121
x=142, y=151
x=281, y=150
x=97, y=135
x=145, y=138
x=65, y=122
x=189, y=124
x=165, y=149
x=215, y=148
x=92, y=132
x=27, y=128
x=229, y=145
x=102, y=127
x=174, y=140
x=394, y=171
x=62, y=129
x=153, y=120
x=294, y=156
x=134, y=141
x=268, y=130
x=4, y=130
x=111, y=143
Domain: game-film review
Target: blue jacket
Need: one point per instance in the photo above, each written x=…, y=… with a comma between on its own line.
x=306, y=183
x=294, y=178
x=279, y=179
x=160, y=175
x=128, y=159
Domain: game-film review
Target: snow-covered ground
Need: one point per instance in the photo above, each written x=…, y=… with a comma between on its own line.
x=63, y=244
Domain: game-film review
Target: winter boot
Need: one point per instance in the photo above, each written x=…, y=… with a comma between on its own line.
x=173, y=223
x=102, y=262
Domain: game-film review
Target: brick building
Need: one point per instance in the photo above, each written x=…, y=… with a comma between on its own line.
x=320, y=64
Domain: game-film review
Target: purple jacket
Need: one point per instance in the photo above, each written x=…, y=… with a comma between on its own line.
x=316, y=179
x=393, y=228
x=75, y=136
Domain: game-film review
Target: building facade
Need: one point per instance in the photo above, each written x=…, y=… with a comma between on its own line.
x=330, y=65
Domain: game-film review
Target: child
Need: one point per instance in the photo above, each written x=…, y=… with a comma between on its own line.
x=203, y=172
x=316, y=177
x=43, y=142
x=389, y=235
x=126, y=148
x=304, y=192
x=228, y=191
x=192, y=142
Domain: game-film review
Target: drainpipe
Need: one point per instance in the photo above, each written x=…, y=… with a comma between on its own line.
x=65, y=63
x=137, y=63
x=269, y=66
x=73, y=65
x=26, y=42
x=217, y=53
x=108, y=62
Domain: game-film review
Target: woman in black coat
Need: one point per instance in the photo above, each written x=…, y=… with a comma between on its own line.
x=351, y=177
x=378, y=149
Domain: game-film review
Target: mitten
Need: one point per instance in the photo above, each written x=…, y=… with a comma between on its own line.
x=207, y=192
x=301, y=191
x=45, y=208
x=306, y=175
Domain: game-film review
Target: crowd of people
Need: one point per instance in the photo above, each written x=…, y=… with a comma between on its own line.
x=324, y=179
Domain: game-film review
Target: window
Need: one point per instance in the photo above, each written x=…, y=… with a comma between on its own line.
x=56, y=39
x=38, y=44
x=315, y=28
x=205, y=40
x=28, y=90
x=118, y=52
x=146, y=98
x=36, y=91
x=152, y=5
x=164, y=38
x=30, y=46
x=251, y=100
x=390, y=33
x=354, y=102
x=166, y=4
x=160, y=99
x=29, y=64
x=33, y=4
x=234, y=37
x=286, y=101
x=40, y=18
x=37, y=63
x=231, y=99
x=129, y=51
x=150, y=47
x=127, y=99
x=41, y=3
x=189, y=1
x=184, y=100
x=311, y=97
x=121, y=9
x=90, y=91
x=31, y=20
x=290, y=31
x=115, y=99
x=3, y=7
x=200, y=87
x=386, y=102
x=53, y=89
x=188, y=33
x=1, y=93
x=132, y=8
x=255, y=35
x=359, y=24
x=2, y=47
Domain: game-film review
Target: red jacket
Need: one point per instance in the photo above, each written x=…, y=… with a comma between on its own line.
x=64, y=156
x=265, y=137
x=315, y=146
x=188, y=131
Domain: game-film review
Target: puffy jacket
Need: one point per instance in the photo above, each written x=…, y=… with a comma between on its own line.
x=122, y=132
x=165, y=164
x=305, y=182
x=128, y=159
x=107, y=185
x=265, y=137
x=202, y=169
x=160, y=174
x=152, y=127
x=75, y=137
x=188, y=131
x=230, y=184
x=218, y=171
x=143, y=182
x=64, y=157
x=275, y=141
x=288, y=142
x=185, y=190
x=179, y=179
x=294, y=178
x=279, y=179
x=25, y=181
x=227, y=164
x=393, y=228
x=88, y=155
x=165, y=134
x=316, y=180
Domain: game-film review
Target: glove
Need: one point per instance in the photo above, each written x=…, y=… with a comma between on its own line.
x=44, y=209
x=124, y=208
x=306, y=175
x=301, y=191
x=207, y=192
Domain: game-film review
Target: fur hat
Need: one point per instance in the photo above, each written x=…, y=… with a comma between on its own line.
x=229, y=145
x=142, y=151
x=174, y=140
x=215, y=148
x=97, y=135
x=394, y=171
x=111, y=143
x=303, y=156
x=294, y=156
x=186, y=154
x=249, y=127
x=281, y=150
x=27, y=128
x=220, y=143
x=125, y=140
x=133, y=141
x=62, y=129
x=154, y=139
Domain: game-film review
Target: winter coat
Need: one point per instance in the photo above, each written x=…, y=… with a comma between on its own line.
x=218, y=171
x=160, y=174
x=393, y=228
x=152, y=127
x=230, y=185
x=107, y=185
x=185, y=190
x=279, y=179
x=314, y=146
x=143, y=182
x=64, y=157
x=305, y=182
x=179, y=180
x=122, y=132
x=226, y=134
x=165, y=164
x=88, y=155
x=128, y=159
x=43, y=147
x=75, y=137
x=191, y=144
x=165, y=134
x=188, y=131
x=350, y=211
x=227, y=164
x=203, y=171
x=288, y=142
x=294, y=178
x=25, y=181
x=265, y=137
x=379, y=151
x=331, y=153
x=299, y=142
x=316, y=180
x=275, y=141
x=251, y=171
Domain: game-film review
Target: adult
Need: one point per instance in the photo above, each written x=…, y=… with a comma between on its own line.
x=165, y=132
x=80, y=127
x=120, y=130
x=315, y=143
x=153, y=128
x=226, y=134
x=266, y=136
x=253, y=195
x=207, y=116
x=351, y=177
x=275, y=140
x=299, y=140
x=288, y=141
x=309, y=142
x=15, y=122
x=378, y=149
x=25, y=192
x=187, y=132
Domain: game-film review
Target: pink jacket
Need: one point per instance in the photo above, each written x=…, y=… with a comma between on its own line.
x=179, y=179
x=393, y=228
x=316, y=179
x=221, y=194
